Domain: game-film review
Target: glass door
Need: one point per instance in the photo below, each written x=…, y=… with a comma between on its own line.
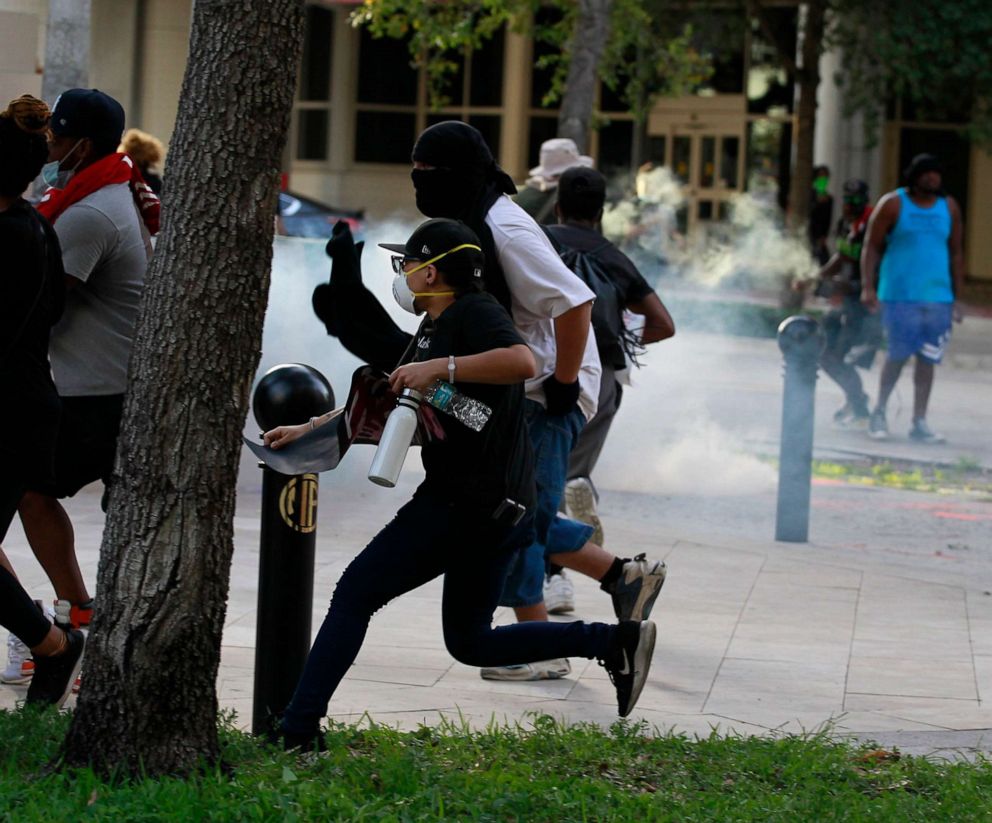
x=709, y=164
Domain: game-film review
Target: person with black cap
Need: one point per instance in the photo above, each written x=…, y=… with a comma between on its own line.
x=475, y=506
x=32, y=297
x=619, y=287
x=455, y=175
x=104, y=215
x=853, y=333
x=913, y=267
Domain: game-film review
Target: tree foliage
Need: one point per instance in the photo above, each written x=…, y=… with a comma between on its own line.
x=931, y=53
x=645, y=55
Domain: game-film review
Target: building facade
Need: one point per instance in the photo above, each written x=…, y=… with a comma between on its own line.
x=360, y=106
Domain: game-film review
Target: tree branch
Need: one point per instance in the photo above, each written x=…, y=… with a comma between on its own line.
x=755, y=10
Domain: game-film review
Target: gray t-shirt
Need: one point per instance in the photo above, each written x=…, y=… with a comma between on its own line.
x=105, y=245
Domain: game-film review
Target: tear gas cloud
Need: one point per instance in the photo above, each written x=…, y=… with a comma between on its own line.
x=662, y=429
x=749, y=250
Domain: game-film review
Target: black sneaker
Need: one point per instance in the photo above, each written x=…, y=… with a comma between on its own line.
x=302, y=741
x=54, y=676
x=637, y=587
x=630, y=661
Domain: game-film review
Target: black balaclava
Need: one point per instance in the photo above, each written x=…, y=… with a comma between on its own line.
x=463, y=185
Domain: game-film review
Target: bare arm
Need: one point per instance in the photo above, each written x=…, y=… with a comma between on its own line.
x=658, y=323
x=883, y=218
x=956, y=244
x=571, y=333
x=505, y=366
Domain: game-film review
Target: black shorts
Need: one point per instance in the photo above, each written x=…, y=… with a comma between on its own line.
x=87, y=442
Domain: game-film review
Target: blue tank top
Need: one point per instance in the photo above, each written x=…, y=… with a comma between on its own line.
x=916, y=265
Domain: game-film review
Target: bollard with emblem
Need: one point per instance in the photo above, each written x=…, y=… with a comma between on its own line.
x=801, y=342
x=286, y=395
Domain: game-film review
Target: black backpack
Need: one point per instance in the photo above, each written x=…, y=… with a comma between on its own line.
x=612, y=337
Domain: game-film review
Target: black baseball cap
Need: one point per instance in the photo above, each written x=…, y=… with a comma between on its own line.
x=581, y=191
x=88, y=113
x=454, y=240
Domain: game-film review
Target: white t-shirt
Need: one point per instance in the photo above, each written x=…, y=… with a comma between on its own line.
x=106, y=246
x=541, y=289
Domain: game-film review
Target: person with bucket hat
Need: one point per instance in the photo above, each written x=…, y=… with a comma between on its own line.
x=540, y=192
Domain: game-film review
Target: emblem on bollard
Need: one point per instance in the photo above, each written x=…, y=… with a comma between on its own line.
x=298, y=503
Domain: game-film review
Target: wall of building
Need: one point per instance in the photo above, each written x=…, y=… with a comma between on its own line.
x=22, y=47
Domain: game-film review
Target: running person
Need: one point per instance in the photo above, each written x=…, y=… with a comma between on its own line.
x=460, y=522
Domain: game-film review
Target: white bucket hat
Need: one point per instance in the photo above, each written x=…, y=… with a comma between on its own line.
x=557, y=155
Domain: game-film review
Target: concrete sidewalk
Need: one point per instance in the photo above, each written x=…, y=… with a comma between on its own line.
x=880, y=626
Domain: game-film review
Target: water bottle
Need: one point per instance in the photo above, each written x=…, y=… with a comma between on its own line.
x=397, y=435
x=445, y=397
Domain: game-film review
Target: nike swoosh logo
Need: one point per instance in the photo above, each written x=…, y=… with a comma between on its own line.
x=626, y=663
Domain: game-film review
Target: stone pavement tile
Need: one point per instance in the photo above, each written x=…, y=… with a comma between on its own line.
x=396, y=673
x=913, y=677
x=863, y=721
x=943, y=713
x=983, y=676
x=901, y=643
x=744, y=686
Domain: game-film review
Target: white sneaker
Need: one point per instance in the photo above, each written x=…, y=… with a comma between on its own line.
x=559, y=594
x=542, y=670
x=580, y=504
x=20, y=664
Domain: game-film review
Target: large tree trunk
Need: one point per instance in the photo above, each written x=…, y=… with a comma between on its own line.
x=148, y=699
x=808, y=79
x=592, y=29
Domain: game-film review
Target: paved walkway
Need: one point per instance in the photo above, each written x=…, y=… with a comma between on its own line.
x=881, y=625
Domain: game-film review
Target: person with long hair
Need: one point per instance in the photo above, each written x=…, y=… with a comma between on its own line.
x=32, y=300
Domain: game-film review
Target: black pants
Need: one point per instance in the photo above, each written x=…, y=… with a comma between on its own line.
x=428, y=538
x=18, y=613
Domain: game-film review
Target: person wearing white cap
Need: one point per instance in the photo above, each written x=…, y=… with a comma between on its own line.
x=538, y=196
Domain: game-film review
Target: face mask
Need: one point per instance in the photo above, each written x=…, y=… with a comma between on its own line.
x=820, y=185
x=405, y=296
x=441, y=192
x=54, y=175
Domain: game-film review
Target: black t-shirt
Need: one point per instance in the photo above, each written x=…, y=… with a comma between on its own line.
x=631, y=284
x=469, y=468
x=32, y=294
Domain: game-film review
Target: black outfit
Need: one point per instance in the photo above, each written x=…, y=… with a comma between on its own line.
x=853, y=334
x=632, y=288
x=478, y=469
x=32, y=299
x=821, y=218
x=449, y=528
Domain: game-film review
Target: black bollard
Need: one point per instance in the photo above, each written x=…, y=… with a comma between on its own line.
x=801, y=342
x=286, y=395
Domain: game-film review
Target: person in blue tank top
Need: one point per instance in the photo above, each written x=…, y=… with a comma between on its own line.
x=912, y=266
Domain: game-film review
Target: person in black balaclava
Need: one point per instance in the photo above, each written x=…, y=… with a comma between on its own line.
x=455, y=175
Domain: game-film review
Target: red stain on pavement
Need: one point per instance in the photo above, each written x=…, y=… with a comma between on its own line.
x=974, y=518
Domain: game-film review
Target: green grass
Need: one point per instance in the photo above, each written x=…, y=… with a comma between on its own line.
x=545, y=772
x=965, y=474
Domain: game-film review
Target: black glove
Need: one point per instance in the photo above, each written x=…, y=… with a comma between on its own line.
x=561, y=397
x=345, y=254
x=346, y=270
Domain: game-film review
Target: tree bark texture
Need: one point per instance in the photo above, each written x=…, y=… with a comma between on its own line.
x=592, y=29
x=808, y=80
x=148, y=699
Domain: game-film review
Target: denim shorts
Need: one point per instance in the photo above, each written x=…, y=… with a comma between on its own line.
x=917, y=328
x=553, y=438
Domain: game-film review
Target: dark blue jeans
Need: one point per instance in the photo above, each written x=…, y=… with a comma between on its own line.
x=428, y=538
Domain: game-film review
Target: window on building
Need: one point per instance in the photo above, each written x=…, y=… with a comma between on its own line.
x=392, y=106
x=313, y=98
x=769, y=86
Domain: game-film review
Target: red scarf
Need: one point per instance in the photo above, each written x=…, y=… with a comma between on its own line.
x=114, y=168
